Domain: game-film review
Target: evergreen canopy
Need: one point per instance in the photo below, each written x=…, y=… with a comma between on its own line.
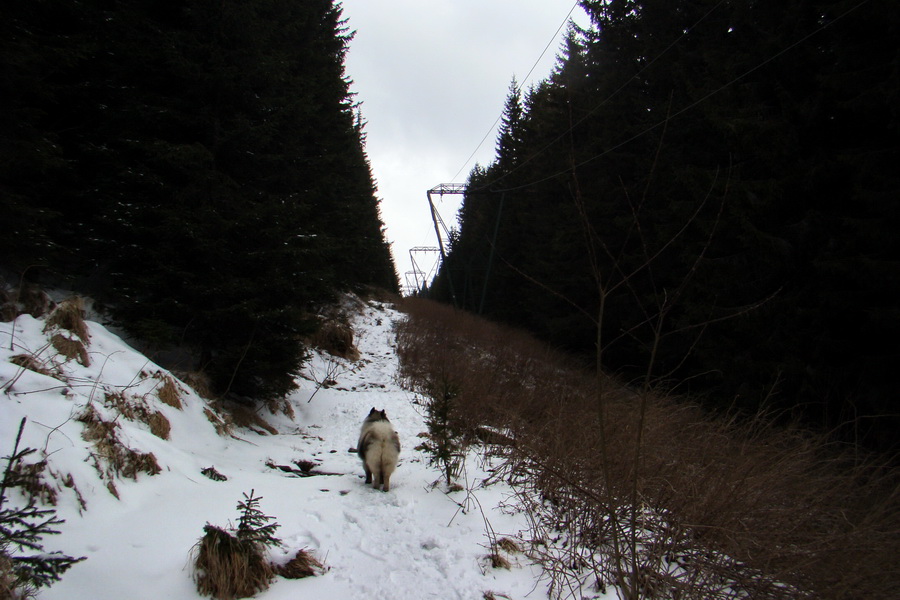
x=709, y=188
x=199, y=166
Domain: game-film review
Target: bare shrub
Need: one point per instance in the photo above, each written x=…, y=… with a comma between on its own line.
x=651, y=494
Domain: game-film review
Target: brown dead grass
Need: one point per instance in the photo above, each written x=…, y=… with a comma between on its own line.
x=69, y=315
x=168, y=392
x=226, y=567
x=28, y=361
x=246, y=417
x=197, y=381
x=335, y=336
x=11, y=586
x=159, y=425
x=303, y=564
x=137, y=409
x=112, y=459
x=71, y=349
x=705, y=507
x=223, y=424
x=29, y=299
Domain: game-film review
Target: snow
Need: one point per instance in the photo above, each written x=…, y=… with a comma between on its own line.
x=416, y=541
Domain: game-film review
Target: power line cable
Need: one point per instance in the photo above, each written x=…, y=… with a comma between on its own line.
x=669, y=117
x=519, y=88
x=611, y=96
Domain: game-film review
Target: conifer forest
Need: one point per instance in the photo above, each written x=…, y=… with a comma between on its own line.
x=197, y=167
x=704, y=196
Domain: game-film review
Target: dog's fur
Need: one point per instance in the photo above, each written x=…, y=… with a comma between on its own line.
x=378, y=447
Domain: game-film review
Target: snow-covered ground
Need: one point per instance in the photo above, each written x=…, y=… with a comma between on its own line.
x=414, y=542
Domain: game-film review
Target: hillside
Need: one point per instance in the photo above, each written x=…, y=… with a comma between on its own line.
x=565, y=484
x=198, y=168
x=137, y=532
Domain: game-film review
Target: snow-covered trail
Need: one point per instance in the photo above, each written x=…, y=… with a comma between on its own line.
x=412, y=542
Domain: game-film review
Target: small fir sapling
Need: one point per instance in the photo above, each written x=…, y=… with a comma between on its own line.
x=443, y=439
x=22, y=530
x=233, y=565
x=254, y=526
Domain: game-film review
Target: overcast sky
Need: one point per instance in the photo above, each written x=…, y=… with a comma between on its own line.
x=432, y=76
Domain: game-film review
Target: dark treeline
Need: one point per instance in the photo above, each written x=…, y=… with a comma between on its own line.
x=197, y=166
x=716, y=183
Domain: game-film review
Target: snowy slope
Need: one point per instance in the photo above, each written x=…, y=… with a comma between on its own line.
x=413, y=542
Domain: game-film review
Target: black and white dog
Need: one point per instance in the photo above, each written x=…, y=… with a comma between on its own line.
x=378, y=447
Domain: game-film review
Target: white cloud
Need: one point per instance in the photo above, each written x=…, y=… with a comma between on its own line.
x=433, y=76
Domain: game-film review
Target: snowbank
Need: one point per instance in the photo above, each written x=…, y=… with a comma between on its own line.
x=137, y=532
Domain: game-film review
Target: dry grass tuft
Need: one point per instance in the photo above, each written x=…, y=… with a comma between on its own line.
x=69, y=315
x=71, y=348
x=223, y=424
x=11, y=585
x=8, y=312
x=168, y=392
x=28, y=361
x=113, y=459
x=498, y=561
x=159, y=425
x=226, y=567
x=197, y=381
x=304, y=564
x=136, y=409
x=112, y=489
x=247, y=418
x=508, y=545
x=29, y=299
x=335, y=336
